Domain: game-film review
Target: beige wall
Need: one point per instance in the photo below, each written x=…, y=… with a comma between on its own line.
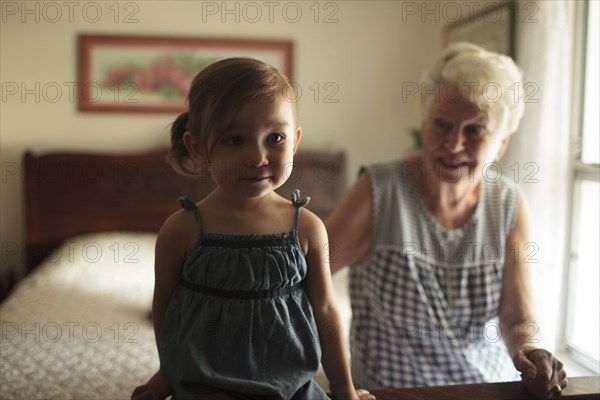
x=368, y=53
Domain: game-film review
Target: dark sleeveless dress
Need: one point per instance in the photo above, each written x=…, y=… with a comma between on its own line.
x=239, y=325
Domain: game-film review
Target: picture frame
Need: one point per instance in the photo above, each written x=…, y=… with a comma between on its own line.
x=153, y=74
x=493, y=28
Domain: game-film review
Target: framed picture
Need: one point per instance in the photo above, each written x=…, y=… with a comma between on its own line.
x=492, y=29
x=153, y=74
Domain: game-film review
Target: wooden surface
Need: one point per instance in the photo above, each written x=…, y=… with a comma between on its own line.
x=580, y=388
x=68, y=194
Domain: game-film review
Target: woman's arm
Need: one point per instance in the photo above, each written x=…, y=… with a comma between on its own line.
x=350, y=226
x=320, y=293
x=516, y=311
x=541, y=371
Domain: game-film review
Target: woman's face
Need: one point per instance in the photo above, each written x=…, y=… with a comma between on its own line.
x=460, y=140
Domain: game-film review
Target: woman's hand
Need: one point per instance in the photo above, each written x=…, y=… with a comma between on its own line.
x=541, y=372
x=157, y=388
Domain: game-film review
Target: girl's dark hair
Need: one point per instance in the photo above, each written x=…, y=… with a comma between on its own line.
x=216, y=95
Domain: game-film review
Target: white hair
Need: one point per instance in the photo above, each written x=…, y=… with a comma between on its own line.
x=484, y=77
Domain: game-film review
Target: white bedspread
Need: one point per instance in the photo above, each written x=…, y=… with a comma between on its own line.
x=78, y=326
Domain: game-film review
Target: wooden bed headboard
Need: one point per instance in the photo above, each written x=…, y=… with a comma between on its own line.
x=68, y=194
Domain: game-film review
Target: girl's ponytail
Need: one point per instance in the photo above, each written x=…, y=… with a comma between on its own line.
x=178, y=156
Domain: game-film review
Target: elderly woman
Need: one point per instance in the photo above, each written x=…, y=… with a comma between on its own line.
x=437, y=242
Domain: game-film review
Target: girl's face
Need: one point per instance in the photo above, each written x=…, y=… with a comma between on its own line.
x=460, y=140
x=255, y=153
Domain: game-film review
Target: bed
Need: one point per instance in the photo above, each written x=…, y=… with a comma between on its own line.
x=78, y=326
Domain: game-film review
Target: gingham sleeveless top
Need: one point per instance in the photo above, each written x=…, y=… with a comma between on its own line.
x=426, y=300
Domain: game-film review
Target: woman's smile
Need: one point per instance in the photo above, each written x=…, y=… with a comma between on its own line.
x=455, y=163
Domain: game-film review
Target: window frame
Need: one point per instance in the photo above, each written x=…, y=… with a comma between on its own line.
x=579, y=172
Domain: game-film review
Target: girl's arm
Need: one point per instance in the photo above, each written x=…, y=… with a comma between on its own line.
x=350, y=226
x=170, y=250
x=541, y=371
x=321, y=296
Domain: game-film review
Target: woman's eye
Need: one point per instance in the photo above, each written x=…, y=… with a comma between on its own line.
x=275, y=138
x=475, y=131
x=441, y=124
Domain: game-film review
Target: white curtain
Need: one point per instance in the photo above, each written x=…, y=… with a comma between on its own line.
x=538, y=156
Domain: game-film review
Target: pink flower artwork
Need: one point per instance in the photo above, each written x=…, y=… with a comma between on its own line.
x=154, y=73
x=168, y=77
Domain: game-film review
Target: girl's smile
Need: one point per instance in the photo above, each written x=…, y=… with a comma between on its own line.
x=261, y=180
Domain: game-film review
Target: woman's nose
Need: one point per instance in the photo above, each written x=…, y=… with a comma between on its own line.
x=455, y=140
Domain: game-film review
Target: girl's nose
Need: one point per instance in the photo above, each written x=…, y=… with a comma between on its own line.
x=256, y=156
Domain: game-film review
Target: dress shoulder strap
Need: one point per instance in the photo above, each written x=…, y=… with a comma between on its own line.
x=298, y=202
x=187, y=204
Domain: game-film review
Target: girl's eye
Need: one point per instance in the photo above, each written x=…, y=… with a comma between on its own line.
x=275, y=138
x=233, y=140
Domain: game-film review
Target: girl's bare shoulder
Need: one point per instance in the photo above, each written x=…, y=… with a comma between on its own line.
x=179, y=231
x=311, y=231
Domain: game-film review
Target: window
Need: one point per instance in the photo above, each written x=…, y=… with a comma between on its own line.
x=582, y=327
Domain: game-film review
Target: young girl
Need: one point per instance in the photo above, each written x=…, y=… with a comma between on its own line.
x=243, y=293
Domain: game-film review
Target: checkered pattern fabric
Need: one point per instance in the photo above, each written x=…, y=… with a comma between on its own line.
x=425, y=302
